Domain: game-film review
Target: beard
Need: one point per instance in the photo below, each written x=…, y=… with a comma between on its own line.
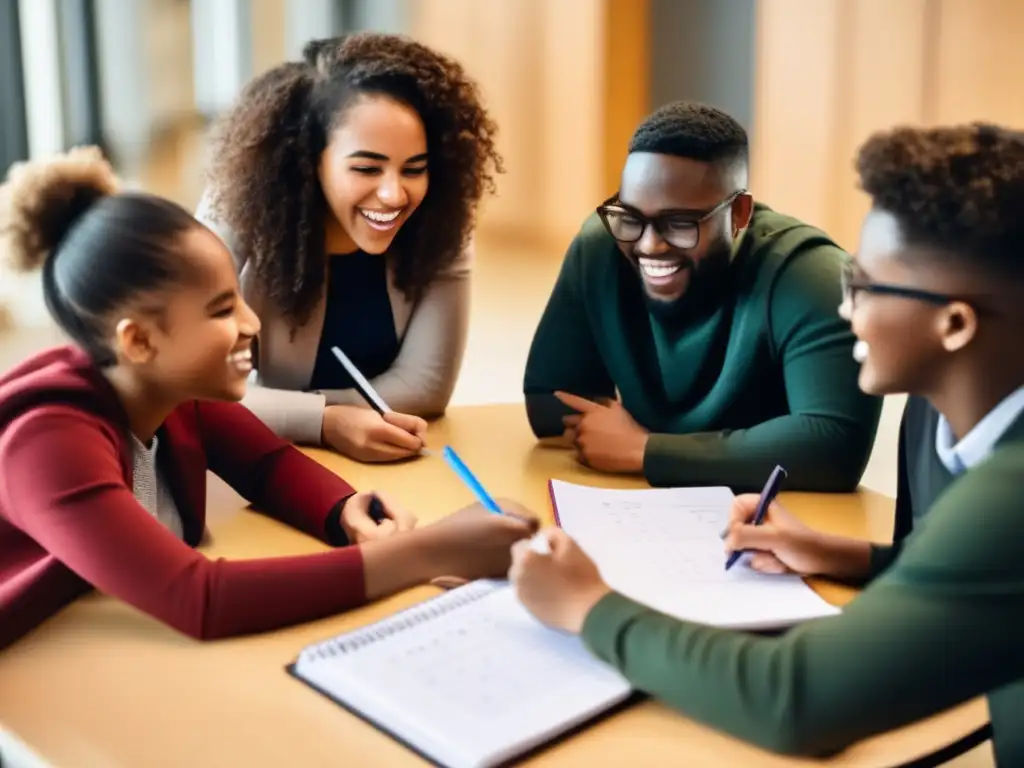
x=709, y=279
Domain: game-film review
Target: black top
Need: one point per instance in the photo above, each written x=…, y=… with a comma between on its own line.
x=922, y=475
x=357, y=319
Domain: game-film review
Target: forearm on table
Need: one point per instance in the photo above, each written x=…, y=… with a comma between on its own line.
x=408, y=392
x=292, y=415
x=401, y=562
x=882, y=664
x=246, y=596
x=819, y=453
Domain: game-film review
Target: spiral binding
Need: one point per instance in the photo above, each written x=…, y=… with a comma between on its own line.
x=401, y=621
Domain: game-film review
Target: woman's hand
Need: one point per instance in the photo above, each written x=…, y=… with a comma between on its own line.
x=478, y=543
x=365, y=435
x=781, y=544
x=559, y=588
x=369, y=516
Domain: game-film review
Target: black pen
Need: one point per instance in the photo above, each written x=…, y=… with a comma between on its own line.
x=377, y=513
x=768, y=494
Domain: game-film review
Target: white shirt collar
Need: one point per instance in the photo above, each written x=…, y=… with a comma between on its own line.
x=977, y=444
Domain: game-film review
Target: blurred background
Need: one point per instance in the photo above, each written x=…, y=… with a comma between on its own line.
x=567, y=80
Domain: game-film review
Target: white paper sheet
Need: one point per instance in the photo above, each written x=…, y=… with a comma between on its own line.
x=663, y=547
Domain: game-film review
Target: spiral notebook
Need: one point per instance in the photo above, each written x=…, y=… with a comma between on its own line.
x=468, y=679
x=663, y=548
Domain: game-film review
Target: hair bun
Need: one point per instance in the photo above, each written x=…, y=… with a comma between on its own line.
x=42, y=200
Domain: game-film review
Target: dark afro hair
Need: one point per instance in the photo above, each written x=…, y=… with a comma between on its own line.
x=957, y=189
x=692, y=130
x=265, y=152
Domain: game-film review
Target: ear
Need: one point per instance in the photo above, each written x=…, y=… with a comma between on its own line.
x=958, y=326
x=742, y=210
x=134, y=342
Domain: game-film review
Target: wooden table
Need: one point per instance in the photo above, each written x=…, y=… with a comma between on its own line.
x=102, y=686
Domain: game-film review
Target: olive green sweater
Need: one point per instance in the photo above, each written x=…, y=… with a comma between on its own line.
x=766, y=377
x=942, y=624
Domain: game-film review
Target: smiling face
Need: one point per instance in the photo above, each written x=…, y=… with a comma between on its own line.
x=684, y=195
x=193, y=341
x=373, y=173
x=906, y=343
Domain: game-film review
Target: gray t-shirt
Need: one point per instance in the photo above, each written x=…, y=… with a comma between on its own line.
x=150, y=489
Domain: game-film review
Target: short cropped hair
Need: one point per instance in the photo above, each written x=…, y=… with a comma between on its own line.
x=694, y=131
x=958, y=189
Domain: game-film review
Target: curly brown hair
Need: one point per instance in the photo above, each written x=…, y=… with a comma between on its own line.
x=265, y=152
x=958, y=189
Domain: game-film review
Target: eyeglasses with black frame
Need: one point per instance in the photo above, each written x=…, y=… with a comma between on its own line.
x=852, y=285
x=680, y=229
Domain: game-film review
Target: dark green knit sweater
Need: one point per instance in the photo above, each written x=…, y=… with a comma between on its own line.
x=766, y=378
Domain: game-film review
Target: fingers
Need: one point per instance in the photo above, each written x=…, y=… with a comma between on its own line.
x=525, y=524
x=519, y=550
x=414, y=425
x=581, y=454
x=448, y=582
x=764, y=538
x=356, y=518
x=404, y=520
x=577, y=403
x=382, y=452
x=520, y=557
x=572, y=421
x=516, y=511
x=388, y=433
x=558, y=540
x=767, y=563
x=743, y=508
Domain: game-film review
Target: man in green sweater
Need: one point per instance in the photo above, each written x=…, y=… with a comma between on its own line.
x=692, y=334
x=936, y=299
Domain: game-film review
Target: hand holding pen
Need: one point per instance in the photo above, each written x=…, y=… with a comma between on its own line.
x=377, y=435
x=764, y=502
x=779, y=543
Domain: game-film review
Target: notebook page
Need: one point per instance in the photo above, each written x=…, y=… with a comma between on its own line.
x=663, y=547
x=471, y=686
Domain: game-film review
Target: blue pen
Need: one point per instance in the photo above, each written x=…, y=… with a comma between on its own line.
x=467, y=477
x=768, y=494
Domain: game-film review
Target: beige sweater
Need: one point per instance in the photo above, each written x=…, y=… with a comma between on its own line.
x=432, y=334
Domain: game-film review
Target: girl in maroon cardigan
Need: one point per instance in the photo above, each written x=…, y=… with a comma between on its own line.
x=104, y=445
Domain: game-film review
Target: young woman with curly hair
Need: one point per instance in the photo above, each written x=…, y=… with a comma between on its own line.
x=105, y=443
x=346, y=187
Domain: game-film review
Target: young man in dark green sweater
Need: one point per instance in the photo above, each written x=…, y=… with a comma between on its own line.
x=936, y=299
x=692, y=334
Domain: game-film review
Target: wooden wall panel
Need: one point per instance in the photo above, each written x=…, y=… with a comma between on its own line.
x=980, y=61
x=545, y=72
x=831, y=72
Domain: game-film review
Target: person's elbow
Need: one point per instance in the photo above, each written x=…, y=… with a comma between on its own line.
x=427, y=401
x=798, y=738
x=833, y=460
x=795, y=730
x=545, y=412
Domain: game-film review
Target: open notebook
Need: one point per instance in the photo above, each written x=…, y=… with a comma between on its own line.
x=663, y=548
x=468, y=678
